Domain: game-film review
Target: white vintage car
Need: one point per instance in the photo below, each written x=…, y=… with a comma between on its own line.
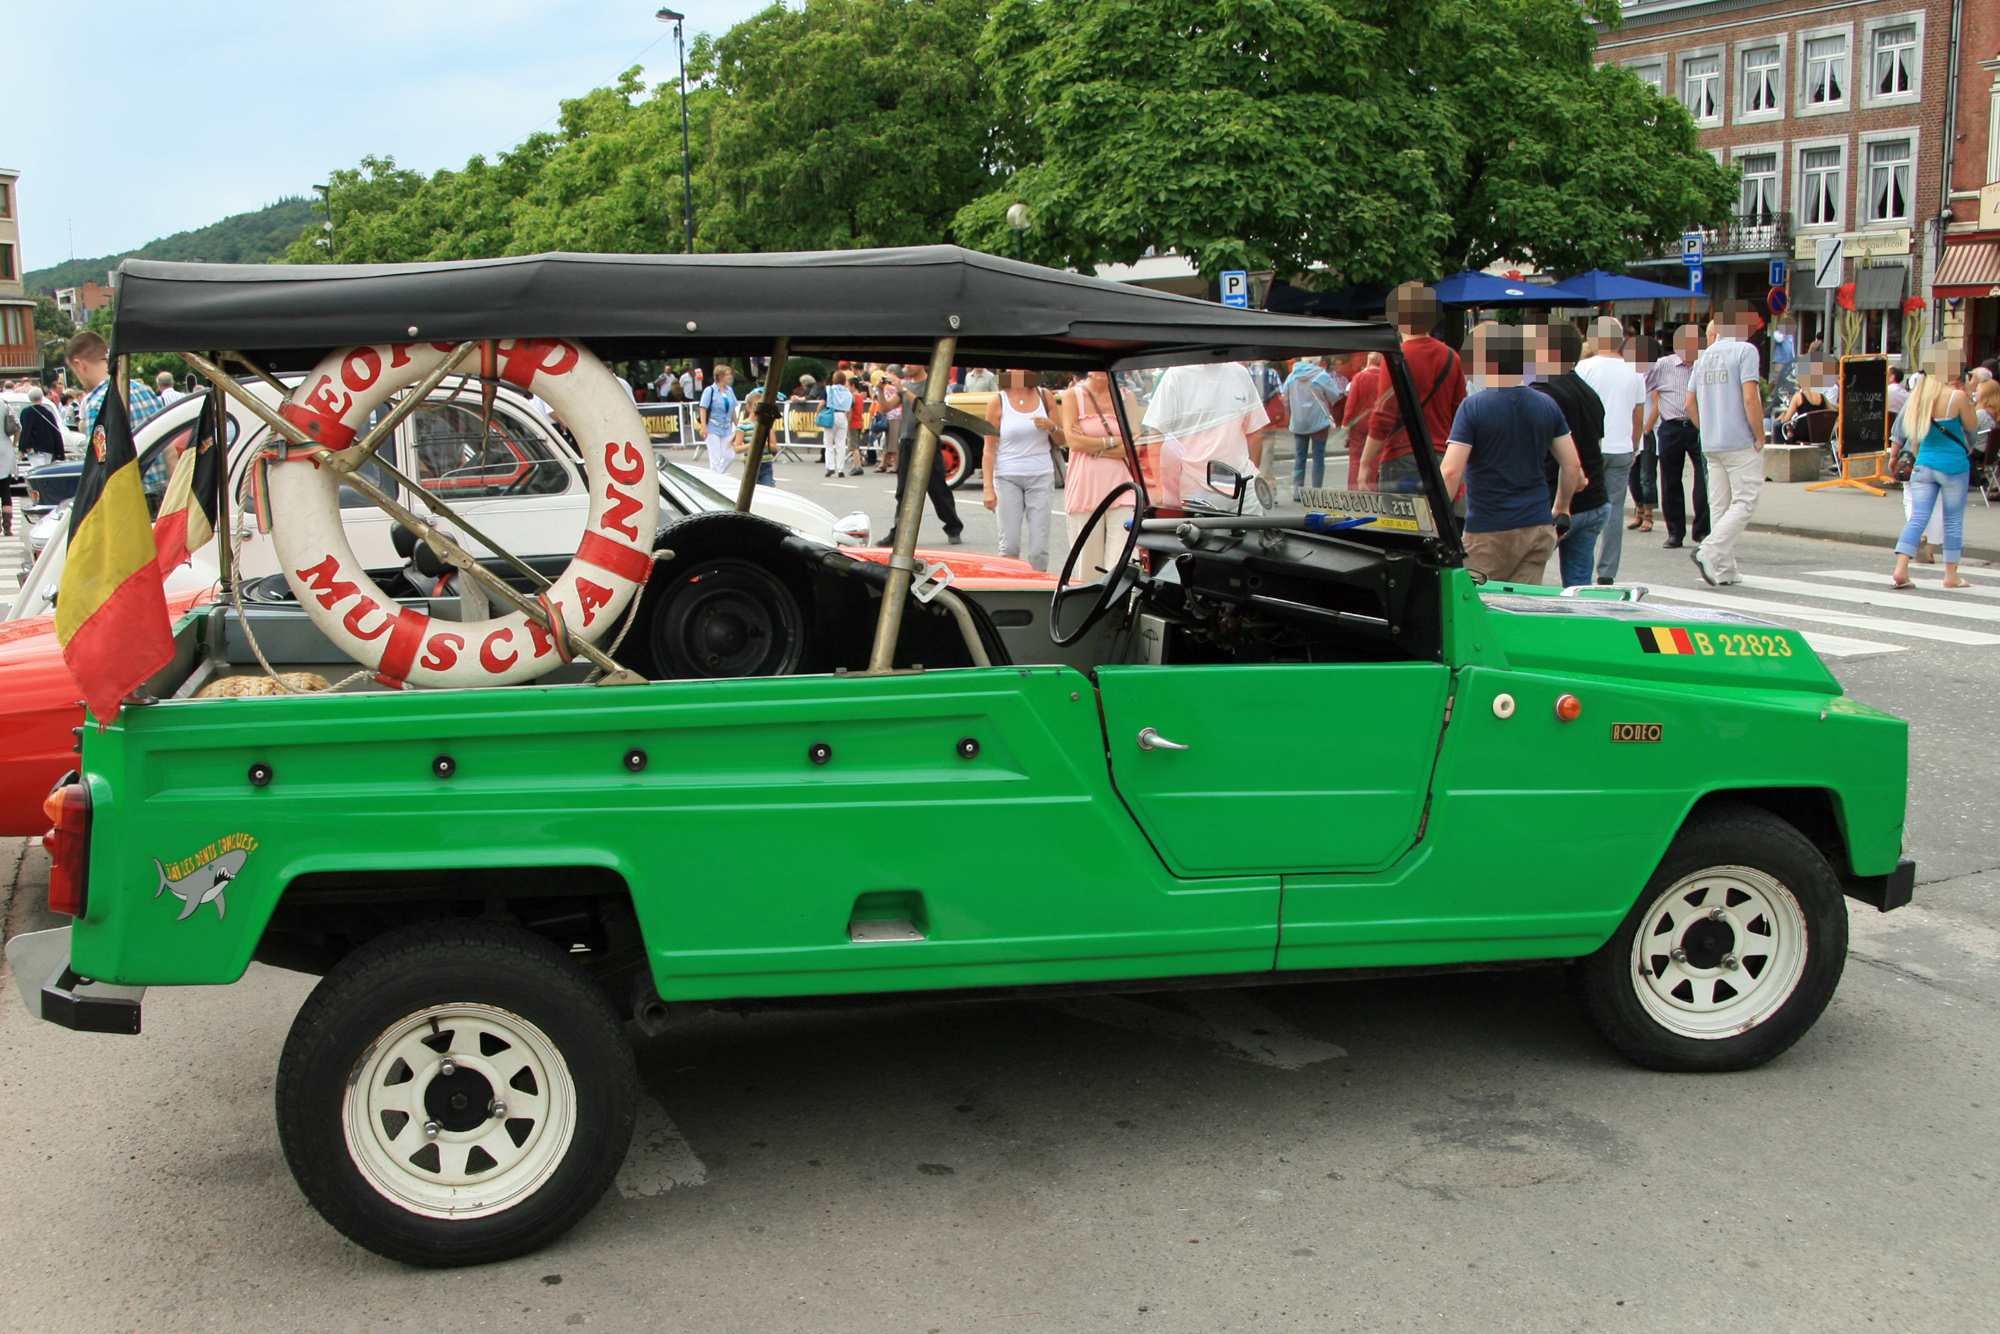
x=518, y=480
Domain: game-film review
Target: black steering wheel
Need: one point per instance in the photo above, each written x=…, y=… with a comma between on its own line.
x=1117, y=580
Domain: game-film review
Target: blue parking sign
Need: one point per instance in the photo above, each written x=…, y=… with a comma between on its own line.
x=1779, y=272
x=1235, y=287
x=1695, y=279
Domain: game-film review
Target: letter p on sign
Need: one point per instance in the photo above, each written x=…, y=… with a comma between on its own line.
x=1235, y=287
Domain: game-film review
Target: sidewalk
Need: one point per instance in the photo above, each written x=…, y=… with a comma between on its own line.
x=1847, y=514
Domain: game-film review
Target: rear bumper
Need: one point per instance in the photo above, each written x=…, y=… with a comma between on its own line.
x=51, y=989
x=1884, y=893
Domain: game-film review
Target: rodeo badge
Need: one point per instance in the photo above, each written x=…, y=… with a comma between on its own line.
x=201, y=878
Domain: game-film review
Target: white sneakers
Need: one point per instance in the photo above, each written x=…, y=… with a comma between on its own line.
x=1712, y=577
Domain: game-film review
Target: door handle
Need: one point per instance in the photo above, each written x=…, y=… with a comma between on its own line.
x=1150, y=739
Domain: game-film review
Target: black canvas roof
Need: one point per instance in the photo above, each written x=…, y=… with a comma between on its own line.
x=880, y=304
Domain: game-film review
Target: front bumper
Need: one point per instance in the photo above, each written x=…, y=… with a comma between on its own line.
x=51, y=989
x=1884, y=893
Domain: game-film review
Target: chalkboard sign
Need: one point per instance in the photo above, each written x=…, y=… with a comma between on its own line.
x=1864, y=406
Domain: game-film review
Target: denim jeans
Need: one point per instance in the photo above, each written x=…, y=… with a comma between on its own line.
x=1617, y=470
x=1927, y=487
x=1646, y=474
x=1400, y=475
x=1301, y=445
x=1578, y=551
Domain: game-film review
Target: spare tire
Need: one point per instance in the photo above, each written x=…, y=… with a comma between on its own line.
x=732, y=602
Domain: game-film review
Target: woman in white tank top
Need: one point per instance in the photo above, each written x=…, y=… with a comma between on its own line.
x=1020, y=466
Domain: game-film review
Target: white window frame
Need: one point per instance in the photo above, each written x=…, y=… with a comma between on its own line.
x=1844, y=196
x=1993, y=123
x=1802, y=102
x=1863, y=190
x=1655, y=66
x=1720, y=56
x=1776, y=150
x=1869, y=28
x=1743, y=114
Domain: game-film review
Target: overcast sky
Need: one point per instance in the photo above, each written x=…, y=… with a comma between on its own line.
x=151, y=119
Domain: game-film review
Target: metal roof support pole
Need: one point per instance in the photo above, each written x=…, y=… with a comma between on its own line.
x=760, y=435
x=447, y=549
x=909, y=513
x=225, y=564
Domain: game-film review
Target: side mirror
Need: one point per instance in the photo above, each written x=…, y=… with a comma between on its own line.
x=1224, y=480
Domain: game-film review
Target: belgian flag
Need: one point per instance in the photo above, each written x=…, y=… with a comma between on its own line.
x=187, y=512
x=111, y=610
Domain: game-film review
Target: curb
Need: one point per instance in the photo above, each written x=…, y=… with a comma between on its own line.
x=1865, y=539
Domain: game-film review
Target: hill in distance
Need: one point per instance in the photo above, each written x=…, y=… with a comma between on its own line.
x=247, y=238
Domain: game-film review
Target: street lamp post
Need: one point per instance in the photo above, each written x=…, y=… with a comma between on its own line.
x=687, y=179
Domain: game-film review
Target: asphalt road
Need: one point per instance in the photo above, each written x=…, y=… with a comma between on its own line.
x=1454, y=1153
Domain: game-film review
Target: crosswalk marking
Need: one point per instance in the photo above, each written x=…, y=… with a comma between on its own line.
x=1881, y=625
x=1878, y=578
x=1887, y=598
x=1840, y=646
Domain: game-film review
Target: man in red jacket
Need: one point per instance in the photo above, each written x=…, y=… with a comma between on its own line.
x=1365, y=389
x=1439, y=379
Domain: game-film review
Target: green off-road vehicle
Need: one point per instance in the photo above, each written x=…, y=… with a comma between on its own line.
x=719, y=765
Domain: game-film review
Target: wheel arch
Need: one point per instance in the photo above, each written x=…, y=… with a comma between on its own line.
x=583, y=908
x=1819, y=814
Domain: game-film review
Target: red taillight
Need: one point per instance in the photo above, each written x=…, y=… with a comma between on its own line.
x=68, y=845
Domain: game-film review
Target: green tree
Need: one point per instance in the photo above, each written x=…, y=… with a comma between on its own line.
x=846, y=123
x=1380, y=139
x=53, y=330
x=599, y=182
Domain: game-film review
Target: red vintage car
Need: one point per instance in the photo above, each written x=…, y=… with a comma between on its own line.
x=40, y=708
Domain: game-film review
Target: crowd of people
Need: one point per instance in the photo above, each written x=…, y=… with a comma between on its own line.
x=1543, y=435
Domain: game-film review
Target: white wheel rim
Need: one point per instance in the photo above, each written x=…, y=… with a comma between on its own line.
x=414, y=1125
x=1719, y=952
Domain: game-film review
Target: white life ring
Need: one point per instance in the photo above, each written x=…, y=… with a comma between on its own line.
x=402, y=646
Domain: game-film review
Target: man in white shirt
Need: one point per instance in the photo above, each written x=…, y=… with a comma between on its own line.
x=1204, y=414
x=1726, y=404
x=1623, y=391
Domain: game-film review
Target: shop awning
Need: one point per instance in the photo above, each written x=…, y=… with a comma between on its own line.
x=1969, y=270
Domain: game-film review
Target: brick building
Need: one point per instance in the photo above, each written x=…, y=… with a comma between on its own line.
x=1968, y=279
x=77, y=302
x=18, y=355
x=1836, y=113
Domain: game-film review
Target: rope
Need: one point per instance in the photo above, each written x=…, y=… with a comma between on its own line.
x=631, y=615
x=236, y=598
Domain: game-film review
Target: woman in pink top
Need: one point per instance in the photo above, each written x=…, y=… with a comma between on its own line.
x=1096, y=466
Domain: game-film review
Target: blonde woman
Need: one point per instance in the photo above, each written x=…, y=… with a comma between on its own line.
x=1940, y=423
x=1096, y=467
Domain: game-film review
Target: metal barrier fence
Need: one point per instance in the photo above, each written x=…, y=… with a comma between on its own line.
x=793, y=434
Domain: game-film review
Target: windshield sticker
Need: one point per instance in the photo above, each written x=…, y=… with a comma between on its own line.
x=1398, y=513
x=200, y=878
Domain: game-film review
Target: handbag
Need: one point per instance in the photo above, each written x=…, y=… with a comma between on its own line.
x=1277, y=411
x=823, y=418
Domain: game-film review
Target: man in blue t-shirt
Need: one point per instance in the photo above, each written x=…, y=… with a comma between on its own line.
x=1497, y=443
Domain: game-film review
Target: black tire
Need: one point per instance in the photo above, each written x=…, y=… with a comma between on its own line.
x=1777, y=949
x=477, y=969
x=725, y=618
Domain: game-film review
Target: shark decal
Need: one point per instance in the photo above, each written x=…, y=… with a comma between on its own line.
x=202, y=877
